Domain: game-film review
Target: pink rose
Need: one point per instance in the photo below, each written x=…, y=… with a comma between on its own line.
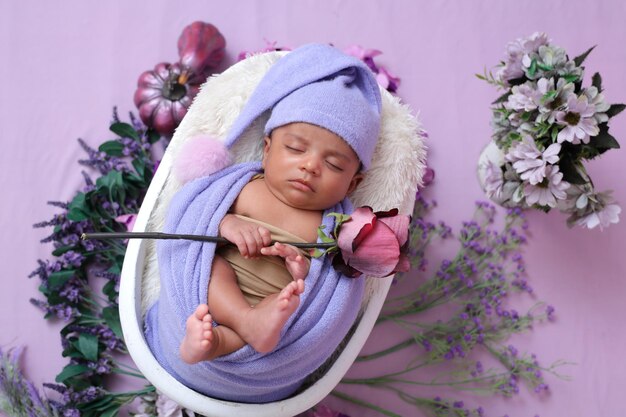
x=128, y=220
x=373, y=243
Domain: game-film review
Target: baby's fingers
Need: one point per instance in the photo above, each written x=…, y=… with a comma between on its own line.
x=246, y=243
x=280, y=249
x=266, y=237
x=270, y=251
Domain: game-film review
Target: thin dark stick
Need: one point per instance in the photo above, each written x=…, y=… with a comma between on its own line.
x=200, y=238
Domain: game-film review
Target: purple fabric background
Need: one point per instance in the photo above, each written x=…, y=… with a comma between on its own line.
x=65, y=65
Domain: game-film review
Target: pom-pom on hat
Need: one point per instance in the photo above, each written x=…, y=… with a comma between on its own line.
x=317, y=84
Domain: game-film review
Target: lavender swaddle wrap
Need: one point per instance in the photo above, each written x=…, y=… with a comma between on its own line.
x=327, y=309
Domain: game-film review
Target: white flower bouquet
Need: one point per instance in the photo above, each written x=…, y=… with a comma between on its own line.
x=545, y=126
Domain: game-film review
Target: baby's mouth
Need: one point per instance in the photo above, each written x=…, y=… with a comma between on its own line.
x=303, y=184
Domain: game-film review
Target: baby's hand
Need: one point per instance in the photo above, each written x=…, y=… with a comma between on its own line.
x=297, y=265
x=249, y=238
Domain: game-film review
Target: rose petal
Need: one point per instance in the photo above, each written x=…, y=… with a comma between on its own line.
x=399, y=225
x=127, y=220
x=378, y=254
x=349, y=230
x=365, y=230
x=340, y=265
x=388, y=213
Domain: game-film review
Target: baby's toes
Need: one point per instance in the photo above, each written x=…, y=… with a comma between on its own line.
x=201, y=311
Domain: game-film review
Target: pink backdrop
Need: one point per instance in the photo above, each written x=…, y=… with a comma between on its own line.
x=65, y=65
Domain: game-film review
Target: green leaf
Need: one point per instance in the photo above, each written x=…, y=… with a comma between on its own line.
x=111, y=316
x=58, y=279
x=124, y=130
x=109, y=290
x=570, y=78
x=97, y=404
x=615, y=109
x=533, y=68
x=580, y=58
x=596, y=81
x=115, y=269
x=77, y=209
x=61, y=250
x=77, y=215
x=153, y=136
x=604, y=141
x=44, y=290
x=88, y=346
x=504, y=97
x=544, y=67
x=112, y=147
x=71, y=371
x=323, y=237
x=549, y=96
x=139, y=166
x=111, y=411
x=554, y=133
x=570, y=173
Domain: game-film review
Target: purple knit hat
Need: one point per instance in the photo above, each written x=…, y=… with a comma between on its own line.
x=321, y=85
x=315, y=83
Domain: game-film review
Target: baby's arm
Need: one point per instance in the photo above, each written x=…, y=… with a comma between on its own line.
x=297, y=265
x=249, y=238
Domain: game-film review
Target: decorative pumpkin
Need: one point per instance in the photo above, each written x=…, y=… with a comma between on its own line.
x=200, y=47
x=163, y=96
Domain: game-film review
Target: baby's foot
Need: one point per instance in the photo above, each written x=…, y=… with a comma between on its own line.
x=198, y=344
x=265, y=321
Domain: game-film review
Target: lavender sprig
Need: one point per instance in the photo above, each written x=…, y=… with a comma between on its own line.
x=475, y=285
x=18, y=395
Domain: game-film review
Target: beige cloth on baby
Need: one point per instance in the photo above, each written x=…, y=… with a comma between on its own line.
x=265, y=275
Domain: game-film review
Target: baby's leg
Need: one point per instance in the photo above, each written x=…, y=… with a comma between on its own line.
x=202, y=341
x=259, y=326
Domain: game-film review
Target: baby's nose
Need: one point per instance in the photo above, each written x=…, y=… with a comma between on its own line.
x=312, y=164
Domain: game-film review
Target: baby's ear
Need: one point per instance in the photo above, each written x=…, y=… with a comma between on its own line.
x=356, y=180
x=266, y=148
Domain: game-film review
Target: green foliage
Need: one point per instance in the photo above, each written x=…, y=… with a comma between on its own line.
x=93, y=332
x=581, y=58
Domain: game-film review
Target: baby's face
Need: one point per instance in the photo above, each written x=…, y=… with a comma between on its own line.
x=309, y=167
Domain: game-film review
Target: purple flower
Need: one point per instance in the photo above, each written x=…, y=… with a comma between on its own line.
x=546, y=193
x=385, y=78
x=578, y=119
x=515, y=53
x=553, y=98
x=499, y=188
x=427, y=346
x=596, y=99
x=524, y=97
x=71, y=412
x=72, y=259
x=428, y=177
x=603, y=217
x=530, y=162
